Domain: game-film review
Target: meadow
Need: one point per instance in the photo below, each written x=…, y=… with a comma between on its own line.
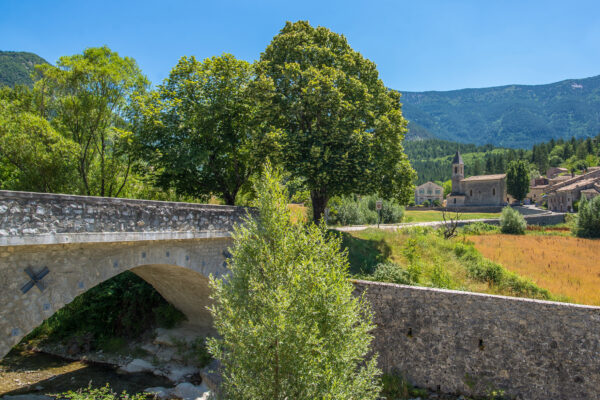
x=565, y=265
x=433, y=215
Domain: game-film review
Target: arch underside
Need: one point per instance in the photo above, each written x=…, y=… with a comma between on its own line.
x=177, y=269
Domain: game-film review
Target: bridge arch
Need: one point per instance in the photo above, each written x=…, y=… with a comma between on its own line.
x=177, y=269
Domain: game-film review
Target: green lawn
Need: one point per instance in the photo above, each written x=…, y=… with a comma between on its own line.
x=432, y=215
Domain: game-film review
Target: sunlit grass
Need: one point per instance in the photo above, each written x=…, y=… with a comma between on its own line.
x=433, y=215
x=565, y=265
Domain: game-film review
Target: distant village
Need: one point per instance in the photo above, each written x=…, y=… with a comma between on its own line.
x=558, y=190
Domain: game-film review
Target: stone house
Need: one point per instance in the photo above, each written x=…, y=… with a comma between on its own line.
x=479, y=190
x=561, y=195
x=430, y=192
x=553, y=172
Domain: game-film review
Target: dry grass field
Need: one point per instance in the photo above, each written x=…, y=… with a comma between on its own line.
x=566, y=266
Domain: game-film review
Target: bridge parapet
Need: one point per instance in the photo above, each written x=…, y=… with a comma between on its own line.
x=43, y=218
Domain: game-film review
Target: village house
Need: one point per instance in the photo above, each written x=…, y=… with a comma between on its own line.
x=562, y=194
x=429, y=192
x=479, y=190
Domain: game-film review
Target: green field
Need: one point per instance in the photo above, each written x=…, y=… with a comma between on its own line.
x=432, y=215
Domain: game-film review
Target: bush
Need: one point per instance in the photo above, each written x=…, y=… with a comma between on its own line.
x=289, y=325
x=392, y=273
x=103, y=393
x=478, y=228
x=588, y=218
x=512, y=222
x=354, y=210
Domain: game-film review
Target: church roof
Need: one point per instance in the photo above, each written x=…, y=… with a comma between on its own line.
x=485, y=177
x=457, y=158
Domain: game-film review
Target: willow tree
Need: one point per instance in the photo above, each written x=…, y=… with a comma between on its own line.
x=342, y=129
x=203, y=129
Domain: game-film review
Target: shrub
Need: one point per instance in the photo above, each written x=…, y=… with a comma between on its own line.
x=103, y=393
x=588, y=218
x=512, y=222
x=478, y=228
x=352, y=210
x=289, y=324
x=392, y=273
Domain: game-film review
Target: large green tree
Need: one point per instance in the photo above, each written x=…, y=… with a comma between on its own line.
x=289, y=325
x=517, y=179
x=341, y=128
x=203, y=129
x=86, y=98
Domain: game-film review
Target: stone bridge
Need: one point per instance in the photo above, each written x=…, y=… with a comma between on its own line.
x=54, y=247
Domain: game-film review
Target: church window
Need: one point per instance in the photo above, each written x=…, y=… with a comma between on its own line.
x=471, y=193
x=437, y=191
x=455, y=170
x=494, y=191
x=454, y=201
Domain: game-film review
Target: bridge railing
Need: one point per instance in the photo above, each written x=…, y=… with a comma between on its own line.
x=44, y=218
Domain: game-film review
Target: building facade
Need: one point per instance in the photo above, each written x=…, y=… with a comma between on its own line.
x=429, y=192
x=479, y=190
x=562, y=194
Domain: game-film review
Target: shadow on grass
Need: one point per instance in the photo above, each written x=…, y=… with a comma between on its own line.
x=364, y=254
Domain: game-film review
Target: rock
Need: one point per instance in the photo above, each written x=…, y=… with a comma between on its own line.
x=187, y=391
x=137, y=365
x=160, y=392
x=178, y=372
x=211, y=376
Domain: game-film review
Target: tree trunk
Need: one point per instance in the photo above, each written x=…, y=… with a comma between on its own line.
x=319, y=201
x=229, y=198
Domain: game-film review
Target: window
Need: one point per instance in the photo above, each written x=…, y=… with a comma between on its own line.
x=437, y=191
x=454, y=201
x=455, y=170
x=470, y=192
x=494, y=191
x=422, y=191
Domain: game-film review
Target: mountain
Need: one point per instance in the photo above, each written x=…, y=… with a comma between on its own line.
x=16, y=67
x=516, y=116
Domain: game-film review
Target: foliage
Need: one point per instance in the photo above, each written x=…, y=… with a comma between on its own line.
x=203, y=129
x=396, y=387
x=510, y=116
x=393, y=273
x=103, y=393
x=341, y=128
x=517, y=179
x=288, y=299
x=479, y=228
x=86, y=98
x=33, y=156
x=588, y=218
x=195, y=352
x=355, y=210
x=433, y=261
x=511, y=221
x=123, y=306
x=16, y=67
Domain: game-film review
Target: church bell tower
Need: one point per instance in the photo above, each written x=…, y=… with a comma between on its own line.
x=458, y=173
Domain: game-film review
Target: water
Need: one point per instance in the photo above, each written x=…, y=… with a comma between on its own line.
x=24, y=371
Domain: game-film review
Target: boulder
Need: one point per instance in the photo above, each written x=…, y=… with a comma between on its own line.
x=138, y=365
x=187, y=391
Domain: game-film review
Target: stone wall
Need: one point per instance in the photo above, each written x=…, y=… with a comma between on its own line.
x=42, y=218
x=470, y=343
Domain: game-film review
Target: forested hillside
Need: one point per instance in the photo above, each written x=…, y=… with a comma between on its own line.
x=432, y=158
x=515, y=116
x=16, y=67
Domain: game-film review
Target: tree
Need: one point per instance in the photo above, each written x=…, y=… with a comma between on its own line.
x=517, y=179
x=341, y=128
x=512, y=222
x=289, y=324
x=33, y=156
x=203, y=129
x=588, y=218
x=86, y=98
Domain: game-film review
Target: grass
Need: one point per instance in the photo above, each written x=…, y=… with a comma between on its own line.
x=430, y=260
x=565, y=265
x=433, y=215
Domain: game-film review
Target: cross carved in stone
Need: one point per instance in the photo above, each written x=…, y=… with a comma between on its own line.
x=36, y=279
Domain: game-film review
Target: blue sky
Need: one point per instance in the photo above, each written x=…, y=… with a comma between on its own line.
x=417, y=45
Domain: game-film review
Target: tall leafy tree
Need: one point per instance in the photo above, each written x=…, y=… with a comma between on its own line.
x=86, y=98
x=289, y=325
x=517, y=179
x=342, y=129
x=203, y=129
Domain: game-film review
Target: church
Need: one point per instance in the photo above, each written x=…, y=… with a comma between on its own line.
x=479, y=190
